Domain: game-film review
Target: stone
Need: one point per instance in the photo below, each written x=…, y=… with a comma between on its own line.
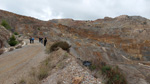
x=77, y=80
x=11, y=49
x=18, y=46
x=1, y=51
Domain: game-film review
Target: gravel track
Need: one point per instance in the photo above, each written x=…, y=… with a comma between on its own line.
x=15, y=65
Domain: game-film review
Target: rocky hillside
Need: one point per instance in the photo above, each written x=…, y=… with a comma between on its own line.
x=4, y=36
x=131, y=33
x=122, y=41
x=25, y=25
x=62, y=63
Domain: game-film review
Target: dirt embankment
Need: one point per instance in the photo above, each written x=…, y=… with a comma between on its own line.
x=68, y=70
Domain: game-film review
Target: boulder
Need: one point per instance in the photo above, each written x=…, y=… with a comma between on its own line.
x=77, y=80
x=4, y=36
x=18, y=46
x=1, y=51
x=11, y=49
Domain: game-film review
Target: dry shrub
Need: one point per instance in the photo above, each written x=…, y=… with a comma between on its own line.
x=43, y=72
x=48, y=46
x=22, y=81
x=33, y=81
x=113, y=74
x=64, y=45
x=33, y=78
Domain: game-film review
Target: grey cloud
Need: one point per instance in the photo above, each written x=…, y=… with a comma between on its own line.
x=77, y=9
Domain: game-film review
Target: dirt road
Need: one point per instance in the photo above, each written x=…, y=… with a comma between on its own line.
x=16, y=65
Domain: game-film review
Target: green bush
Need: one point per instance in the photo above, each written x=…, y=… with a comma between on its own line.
x=64, y=45
x=12, y=41
x=38, y=28
x=5, y=24
x=19, y=36
x=114, y=75
x=92, y=67
x=16, y=33
x=105, y=69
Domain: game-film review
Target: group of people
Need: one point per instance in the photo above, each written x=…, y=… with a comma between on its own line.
x=31, y=40
x=40, y=40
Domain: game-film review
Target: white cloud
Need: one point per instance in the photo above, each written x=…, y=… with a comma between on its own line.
x=76, y=9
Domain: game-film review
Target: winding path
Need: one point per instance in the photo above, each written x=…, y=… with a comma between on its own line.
x=16, y=64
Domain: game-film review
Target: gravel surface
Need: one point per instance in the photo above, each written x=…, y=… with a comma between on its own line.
x=15, y=65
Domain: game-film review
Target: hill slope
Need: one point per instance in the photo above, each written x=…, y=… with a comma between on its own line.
x=122, y=41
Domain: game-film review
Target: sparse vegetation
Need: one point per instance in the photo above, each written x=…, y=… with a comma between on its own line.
x=92, y=67
x=5, y=24
x=45, y=68
x=38, y=28
x=114, y=75
x=105, y=69
x=22, y=81
x=16, y=33
x=19, y=36
x=43, y=72
x=65, y=56
x=64, y=45
x=144, y=23
x=12, y=41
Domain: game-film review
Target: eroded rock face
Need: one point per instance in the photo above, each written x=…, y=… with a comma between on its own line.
x=130, y=33
x=4, y=36
x=122, y=41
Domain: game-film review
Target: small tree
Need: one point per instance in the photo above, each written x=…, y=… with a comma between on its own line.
x=5, y=24
x=12, y=41
x=16, y=33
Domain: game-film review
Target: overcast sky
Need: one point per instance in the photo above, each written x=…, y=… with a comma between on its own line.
x=77, y=9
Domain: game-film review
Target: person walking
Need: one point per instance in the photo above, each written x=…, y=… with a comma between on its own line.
x=30, y=40
x=41, y=40
x=45, y=41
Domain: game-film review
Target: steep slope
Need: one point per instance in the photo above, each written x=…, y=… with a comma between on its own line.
x=89, y=49
x=25, y=25
x=68, y=70
x=4, y=36
x=122, y=41
x=131, y=33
